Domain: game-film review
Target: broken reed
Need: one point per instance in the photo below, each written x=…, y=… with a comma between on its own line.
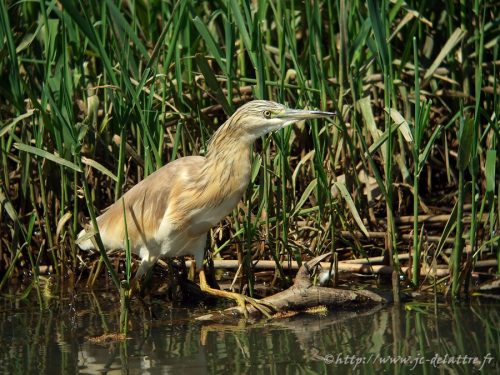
x=97, y=95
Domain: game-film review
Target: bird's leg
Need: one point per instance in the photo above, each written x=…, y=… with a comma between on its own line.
x=192, y=271
x=175, y=289
x=138, y=286
x=210, y=271
x=135, y=287
x=240, y=299
x=142, y=277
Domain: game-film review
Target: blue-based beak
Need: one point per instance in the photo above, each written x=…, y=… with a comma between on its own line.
x=302, y=114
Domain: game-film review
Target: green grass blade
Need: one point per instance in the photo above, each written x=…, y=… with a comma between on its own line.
x=352, y=207
x=121, y=22
x=403, y=126
x=305, y=195
x=490, y=171
x=212, y=83
x=101, y=168
x=465, y=143
x=379, y=32
x=209, y=42
x=90, y=32
x=450, y=44
x=47, y=155
x=242, y=27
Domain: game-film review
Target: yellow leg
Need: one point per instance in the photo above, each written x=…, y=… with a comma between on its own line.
x=137, y=288
x=240, y=299
x=192, y=271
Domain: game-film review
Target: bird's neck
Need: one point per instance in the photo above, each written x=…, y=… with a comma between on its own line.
x=228, y=163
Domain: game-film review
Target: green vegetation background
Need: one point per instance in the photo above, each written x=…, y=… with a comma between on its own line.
x=95, y=95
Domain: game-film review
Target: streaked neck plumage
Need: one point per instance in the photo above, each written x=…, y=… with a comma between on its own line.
x=227, y=163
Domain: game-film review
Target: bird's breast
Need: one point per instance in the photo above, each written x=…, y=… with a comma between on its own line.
x=204, y=218
x=197, y=204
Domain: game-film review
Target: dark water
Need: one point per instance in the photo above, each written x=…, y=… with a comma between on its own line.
x=415, y=337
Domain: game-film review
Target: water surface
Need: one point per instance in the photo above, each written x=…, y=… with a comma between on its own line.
x=413, y=338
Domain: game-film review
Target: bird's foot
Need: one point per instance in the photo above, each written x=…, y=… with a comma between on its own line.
x=263, y=306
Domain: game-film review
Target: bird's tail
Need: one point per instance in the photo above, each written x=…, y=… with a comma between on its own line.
x=84, y=240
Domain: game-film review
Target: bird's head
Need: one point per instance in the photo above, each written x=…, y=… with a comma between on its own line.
x=259, y=117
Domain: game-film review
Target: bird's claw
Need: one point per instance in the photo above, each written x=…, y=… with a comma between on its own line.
x=263, y=306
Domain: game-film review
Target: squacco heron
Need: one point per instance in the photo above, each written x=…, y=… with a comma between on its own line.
x=170, y=212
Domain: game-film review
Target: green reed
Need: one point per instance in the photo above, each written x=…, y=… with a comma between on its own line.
x=97, y=95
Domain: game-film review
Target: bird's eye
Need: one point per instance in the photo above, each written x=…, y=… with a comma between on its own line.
x=267, y=114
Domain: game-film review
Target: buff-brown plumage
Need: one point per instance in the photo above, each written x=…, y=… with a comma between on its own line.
x=171, y=211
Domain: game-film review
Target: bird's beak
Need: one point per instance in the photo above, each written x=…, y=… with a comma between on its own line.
x=303, y=114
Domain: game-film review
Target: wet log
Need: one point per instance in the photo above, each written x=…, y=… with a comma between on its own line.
x=359, y=266
x=302, y=295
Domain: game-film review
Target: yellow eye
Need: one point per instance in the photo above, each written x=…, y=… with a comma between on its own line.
x=267, y=114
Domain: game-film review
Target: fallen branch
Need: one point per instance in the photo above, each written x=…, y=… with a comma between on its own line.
x=434, y=219
x=342, y=267
x=383, y=235
x=303, y=295
x=361, y=266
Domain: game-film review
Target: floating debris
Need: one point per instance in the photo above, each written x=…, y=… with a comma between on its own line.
x=284, y=314
x=321, y=310
x=108, y=338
